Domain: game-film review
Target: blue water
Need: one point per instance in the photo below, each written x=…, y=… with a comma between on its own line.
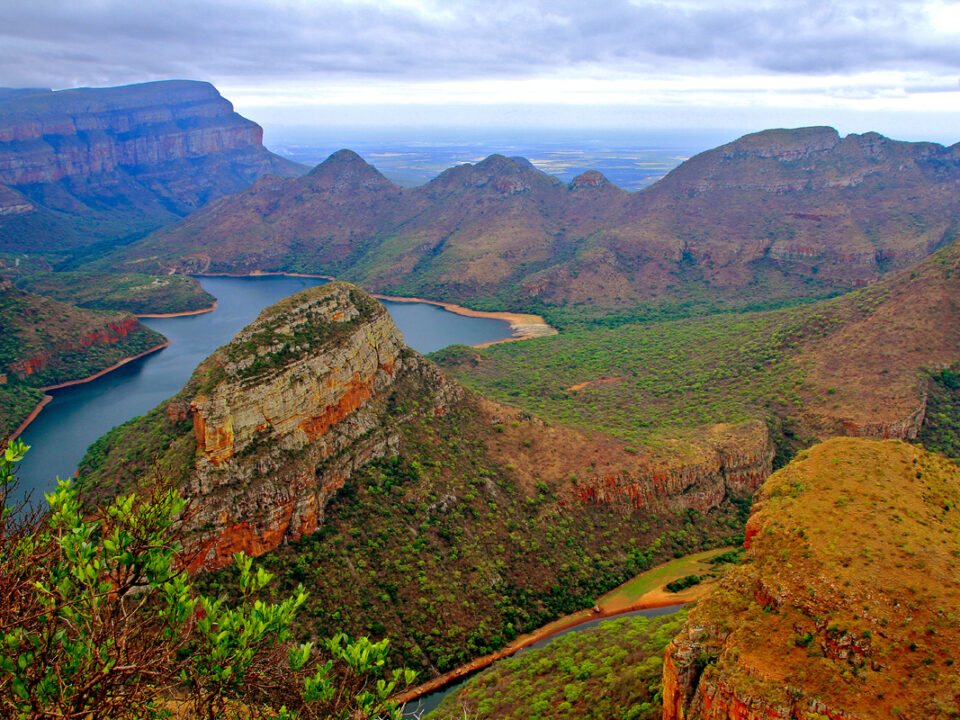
x=420, y=707
x=80, y=414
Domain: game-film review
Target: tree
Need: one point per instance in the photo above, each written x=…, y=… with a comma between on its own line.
x=98, y=618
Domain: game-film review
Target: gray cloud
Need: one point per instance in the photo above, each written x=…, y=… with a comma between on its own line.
x=103, y=42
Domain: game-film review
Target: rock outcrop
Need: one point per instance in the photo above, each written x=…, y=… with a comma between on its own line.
x=846, y=606
x=272, y=425
x=733, y=460
x=299, y=402
x=319, y=442
x=163, y=149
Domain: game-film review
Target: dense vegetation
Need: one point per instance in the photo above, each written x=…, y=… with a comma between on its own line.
x=99, y=619
x=44, y=342
x=640, y=381
x=941, y=429
x=612, y=670
x=129, y=292
x=451, y=558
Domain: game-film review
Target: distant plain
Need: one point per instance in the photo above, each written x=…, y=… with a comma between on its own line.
x=409, y=158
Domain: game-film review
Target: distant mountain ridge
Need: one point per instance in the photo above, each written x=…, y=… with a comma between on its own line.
x=93, y=164
x=776, y=214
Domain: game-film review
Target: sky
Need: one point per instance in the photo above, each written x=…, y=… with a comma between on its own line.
x=669, y=65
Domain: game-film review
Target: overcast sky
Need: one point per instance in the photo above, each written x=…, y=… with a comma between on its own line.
x=632, y=64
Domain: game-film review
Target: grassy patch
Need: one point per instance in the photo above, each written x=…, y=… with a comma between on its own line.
x=612, y=670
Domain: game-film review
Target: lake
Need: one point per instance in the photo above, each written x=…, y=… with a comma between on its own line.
x=80, y=414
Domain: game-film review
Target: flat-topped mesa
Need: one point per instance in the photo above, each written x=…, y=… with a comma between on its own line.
x=76, y=133
x=92, y=164
x=285, y=413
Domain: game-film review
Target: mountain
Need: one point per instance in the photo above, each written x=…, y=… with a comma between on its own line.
x=96, y=165
x=868, y=363
x=771, y=217
x=45, y=343
x=847, y=604
x=319, y=442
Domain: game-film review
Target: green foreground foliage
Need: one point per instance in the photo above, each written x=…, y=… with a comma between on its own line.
x=612, y=670
x=99, y=619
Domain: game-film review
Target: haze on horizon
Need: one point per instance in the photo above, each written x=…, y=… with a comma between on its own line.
x=620, y=65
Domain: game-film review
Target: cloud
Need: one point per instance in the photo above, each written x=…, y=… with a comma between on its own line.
x=109, y=41
x=278, y=58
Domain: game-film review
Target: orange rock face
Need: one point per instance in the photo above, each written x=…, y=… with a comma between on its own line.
x=846, y=605
x=274, y=446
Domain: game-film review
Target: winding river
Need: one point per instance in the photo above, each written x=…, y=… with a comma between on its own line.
x=80, y=414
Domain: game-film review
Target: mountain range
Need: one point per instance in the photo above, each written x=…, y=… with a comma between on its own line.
x=771, y=217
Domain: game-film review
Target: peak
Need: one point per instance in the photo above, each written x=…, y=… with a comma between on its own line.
x=589, y=179
x=501, y=162
x=346, y=168
x=346, y=156
x=341, y=301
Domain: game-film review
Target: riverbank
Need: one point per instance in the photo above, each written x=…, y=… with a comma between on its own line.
x=523, y=325
x=643, y=592
x=185, y=313
x=47, y=388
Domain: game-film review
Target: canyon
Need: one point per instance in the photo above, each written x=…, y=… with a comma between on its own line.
x=282, y=435
x=90, y=165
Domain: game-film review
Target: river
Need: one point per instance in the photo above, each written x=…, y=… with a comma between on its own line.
x=80, y=414
x=429, y=702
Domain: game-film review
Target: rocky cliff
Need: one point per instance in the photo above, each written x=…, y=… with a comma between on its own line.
x=731, y=460
x=773, y=215
x=277, y=436
x=283, y=415
x=846, y=606
x=114, y=160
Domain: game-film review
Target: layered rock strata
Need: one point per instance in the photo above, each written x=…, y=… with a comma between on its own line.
x=138, y=154
x=732, y=460
x=272, y=425
x=299, y=403
x=847, y=604
x=47, y=137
